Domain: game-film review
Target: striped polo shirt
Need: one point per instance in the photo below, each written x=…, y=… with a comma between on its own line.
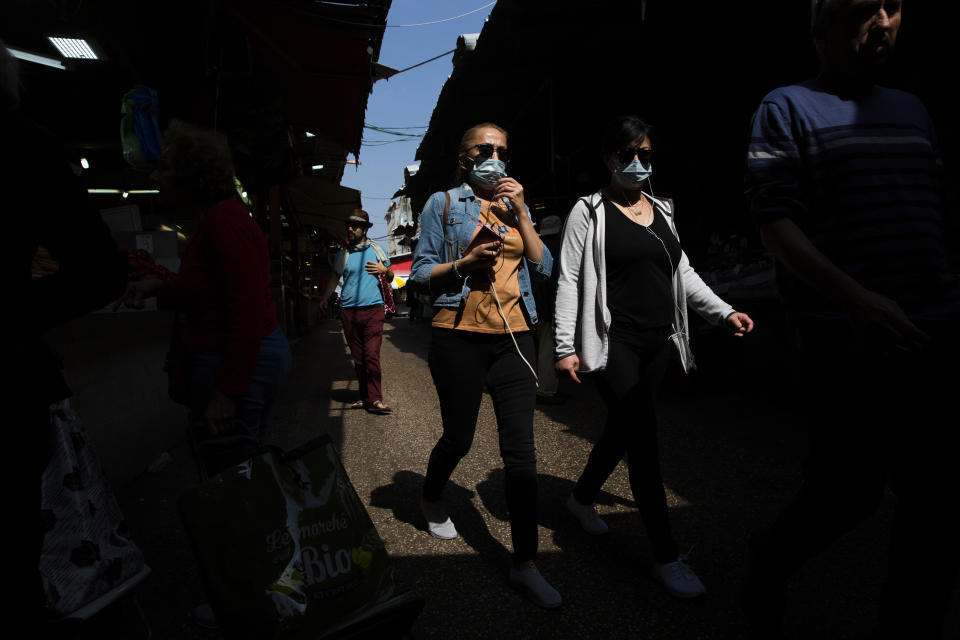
x=861, y=177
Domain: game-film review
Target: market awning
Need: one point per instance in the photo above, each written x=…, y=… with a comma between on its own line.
x=263, y=72
x=401, y=265
x=322, y=204
x=401, y=270
x=322, y=65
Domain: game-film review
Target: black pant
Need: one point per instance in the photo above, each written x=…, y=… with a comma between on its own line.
x=882, y=418
x=461, y=363
x=635, y=368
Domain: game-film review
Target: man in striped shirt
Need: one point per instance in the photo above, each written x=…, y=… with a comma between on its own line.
x=843, y=178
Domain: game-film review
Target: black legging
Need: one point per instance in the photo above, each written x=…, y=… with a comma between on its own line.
x=461, y=363
x=879, y=419
x=636, y=365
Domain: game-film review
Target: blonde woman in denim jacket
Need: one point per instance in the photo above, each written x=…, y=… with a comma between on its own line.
x=483, y=316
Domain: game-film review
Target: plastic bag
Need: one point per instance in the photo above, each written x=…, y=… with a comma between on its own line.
x=386, y=290
x=140, y=134
x=88, y=559
x=287, y=550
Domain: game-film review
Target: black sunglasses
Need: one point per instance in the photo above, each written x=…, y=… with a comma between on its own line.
x=625, y=156
x=486, y=151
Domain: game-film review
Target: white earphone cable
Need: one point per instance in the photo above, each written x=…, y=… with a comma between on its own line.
x=496, y=298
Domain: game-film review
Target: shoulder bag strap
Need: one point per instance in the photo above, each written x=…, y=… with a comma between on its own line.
x=446, y=214
x=446, y=211
x=590, y=206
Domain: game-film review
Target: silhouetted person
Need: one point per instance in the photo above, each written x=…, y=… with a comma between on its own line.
x=228, y=354
x=544, y=295
x=413, y=301
x=43, y=204
x=843, y=179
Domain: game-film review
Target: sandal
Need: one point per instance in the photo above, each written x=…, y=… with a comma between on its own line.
x=359, y=404
x=378, y=407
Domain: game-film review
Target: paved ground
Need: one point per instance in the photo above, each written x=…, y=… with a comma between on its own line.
x=731, y=448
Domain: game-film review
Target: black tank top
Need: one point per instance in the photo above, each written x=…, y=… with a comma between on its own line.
x=639, y=271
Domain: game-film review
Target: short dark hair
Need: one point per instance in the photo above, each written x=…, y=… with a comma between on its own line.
x=621, y=131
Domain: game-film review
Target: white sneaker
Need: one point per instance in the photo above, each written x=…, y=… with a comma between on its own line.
x=587, y=516
x=439, y=524
x=535, y=587
x=679, y=579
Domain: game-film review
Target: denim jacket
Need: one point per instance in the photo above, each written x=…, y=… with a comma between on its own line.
x=434, y=248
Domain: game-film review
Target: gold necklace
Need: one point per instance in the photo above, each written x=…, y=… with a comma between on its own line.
x=637, y=216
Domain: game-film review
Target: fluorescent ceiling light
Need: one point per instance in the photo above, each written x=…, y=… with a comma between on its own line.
x=309, y=135
x=36, y=58
x=317, y=167
x=131, y=192
x=84, y=163
x=74, y=48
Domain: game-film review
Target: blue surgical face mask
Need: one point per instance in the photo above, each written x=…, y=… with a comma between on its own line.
x=633, y=174
x=488, y=172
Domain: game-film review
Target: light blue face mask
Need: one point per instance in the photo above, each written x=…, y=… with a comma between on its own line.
x=632, y=175
x=488, y=172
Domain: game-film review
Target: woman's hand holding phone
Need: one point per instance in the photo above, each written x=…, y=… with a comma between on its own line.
x=483, y=251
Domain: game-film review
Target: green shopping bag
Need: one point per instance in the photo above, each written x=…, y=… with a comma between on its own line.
x=287, y=550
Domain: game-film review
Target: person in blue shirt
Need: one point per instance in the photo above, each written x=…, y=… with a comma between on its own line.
x=844, y=181
x=361, y=264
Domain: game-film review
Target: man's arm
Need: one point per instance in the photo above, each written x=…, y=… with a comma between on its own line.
x=776, y=191
x=868, y=311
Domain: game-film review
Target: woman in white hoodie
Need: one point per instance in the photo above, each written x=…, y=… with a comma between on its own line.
x=622, y=300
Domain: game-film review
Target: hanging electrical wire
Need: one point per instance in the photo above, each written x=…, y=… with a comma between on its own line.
x=382, y=144
x=388, y=141
x=462, y=15
x=381, y=127
x=395, y=133
x=399, y=26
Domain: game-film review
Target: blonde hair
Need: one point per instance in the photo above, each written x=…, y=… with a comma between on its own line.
x=469, y=133
x=201, y=161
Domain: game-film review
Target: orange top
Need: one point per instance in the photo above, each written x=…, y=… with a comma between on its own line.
x=479, y=313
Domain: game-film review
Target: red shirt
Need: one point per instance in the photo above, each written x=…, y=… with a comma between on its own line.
x=223, y=293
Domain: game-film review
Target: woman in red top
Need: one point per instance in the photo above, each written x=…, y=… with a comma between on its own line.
x=234, y=354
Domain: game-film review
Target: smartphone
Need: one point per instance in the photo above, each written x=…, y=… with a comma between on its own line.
x=484, y=235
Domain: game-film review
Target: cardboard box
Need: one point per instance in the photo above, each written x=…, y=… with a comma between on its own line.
x=123, y=219
x=159, y=244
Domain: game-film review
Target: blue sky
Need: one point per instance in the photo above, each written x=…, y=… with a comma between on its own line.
x=407, y=99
